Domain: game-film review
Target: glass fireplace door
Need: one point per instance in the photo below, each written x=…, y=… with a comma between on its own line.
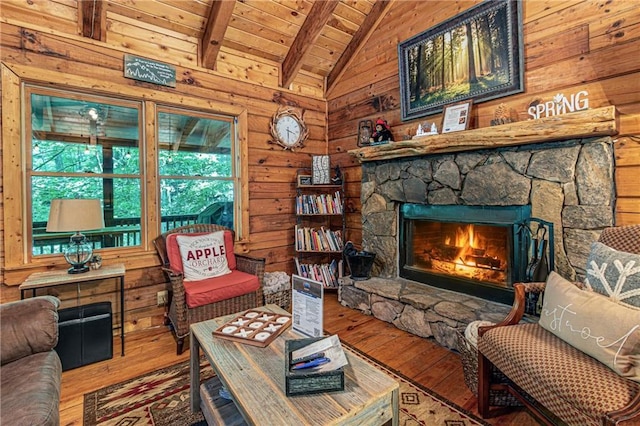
x=475, y=250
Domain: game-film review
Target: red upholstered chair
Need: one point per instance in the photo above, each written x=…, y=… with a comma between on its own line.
x=201, y=300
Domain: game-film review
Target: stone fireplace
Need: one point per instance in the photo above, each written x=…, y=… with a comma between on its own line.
x=568, y=183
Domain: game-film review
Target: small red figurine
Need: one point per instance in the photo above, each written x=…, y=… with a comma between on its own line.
x=382, y=133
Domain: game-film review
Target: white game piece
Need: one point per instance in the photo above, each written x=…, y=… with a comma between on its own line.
x=243, y=333
x=240, y=321
x=262, y=336
x=272, y=327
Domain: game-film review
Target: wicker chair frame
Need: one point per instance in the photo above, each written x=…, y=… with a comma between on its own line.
x=179, y=315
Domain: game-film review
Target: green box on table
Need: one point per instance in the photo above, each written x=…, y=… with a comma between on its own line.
x=300, y=383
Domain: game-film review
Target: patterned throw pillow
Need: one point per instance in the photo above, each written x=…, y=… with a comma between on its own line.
x=593, y=324
x=203, y=256
x=614, y=273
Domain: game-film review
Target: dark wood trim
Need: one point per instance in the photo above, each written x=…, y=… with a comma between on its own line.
x=91, y=19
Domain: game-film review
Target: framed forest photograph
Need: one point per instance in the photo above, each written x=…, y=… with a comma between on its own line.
x=478, y=54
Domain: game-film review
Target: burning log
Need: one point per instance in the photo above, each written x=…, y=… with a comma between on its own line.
x=482, y=261
x=448, y=253
x=444, y=252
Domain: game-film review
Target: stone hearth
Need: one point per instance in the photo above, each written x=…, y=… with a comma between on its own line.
x=425, y=311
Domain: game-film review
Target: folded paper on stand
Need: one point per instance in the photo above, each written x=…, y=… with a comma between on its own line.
x=332, y=349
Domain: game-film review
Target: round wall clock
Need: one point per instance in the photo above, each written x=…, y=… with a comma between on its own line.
x=288, y=128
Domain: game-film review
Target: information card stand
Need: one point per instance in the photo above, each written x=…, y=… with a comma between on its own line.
x=307, y=300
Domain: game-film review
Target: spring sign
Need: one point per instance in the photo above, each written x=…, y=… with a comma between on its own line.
x=560, y=104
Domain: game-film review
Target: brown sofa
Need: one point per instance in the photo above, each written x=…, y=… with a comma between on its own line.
x=559, y=383
x=30, y=370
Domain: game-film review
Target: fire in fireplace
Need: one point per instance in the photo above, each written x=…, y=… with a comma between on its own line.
x=478, y=250
x=475, y=252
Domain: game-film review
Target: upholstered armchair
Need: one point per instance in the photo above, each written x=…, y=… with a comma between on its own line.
x=579, y=365
x=199, y=297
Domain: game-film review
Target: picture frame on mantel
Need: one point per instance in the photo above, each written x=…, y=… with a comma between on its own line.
x=305, y=180
x=456, y=117
x=477, y=54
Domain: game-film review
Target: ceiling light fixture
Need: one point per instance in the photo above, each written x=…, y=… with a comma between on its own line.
x=93, y=114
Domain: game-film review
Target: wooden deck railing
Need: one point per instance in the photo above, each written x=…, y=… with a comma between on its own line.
x=118, y=233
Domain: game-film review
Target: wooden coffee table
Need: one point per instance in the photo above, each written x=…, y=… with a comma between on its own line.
x=255, y=377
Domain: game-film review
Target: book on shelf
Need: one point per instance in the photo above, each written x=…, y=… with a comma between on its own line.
x=326, y=273
x=319, y=204
x=312, y=239
x=298, y=268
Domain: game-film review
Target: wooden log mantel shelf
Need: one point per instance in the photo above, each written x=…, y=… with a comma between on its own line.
x=575, y=125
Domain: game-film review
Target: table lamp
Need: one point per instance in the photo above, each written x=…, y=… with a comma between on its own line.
x=75, y=215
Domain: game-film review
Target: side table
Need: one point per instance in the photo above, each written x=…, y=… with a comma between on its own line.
x=61, y=277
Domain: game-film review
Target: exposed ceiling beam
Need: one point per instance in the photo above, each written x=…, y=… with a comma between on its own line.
x=91, y=18
x=219, y=18
x=185, y=132
x=371, y=21
x=309, y=32
x=216, y=136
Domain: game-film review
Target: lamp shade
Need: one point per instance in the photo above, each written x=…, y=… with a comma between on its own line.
x=72, y=215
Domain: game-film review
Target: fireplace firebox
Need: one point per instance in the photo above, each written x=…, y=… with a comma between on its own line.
x=477, y=250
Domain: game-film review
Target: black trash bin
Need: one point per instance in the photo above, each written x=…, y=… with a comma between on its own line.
x=359, y=262
x=85, y=335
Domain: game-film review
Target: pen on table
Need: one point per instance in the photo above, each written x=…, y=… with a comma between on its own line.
x=310, y=364
x=307, y=358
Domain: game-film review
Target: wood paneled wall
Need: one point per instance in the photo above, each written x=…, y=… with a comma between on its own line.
x=568, y=46
x=29, y=54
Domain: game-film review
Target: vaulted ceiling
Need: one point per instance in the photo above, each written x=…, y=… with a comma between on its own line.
x=317, y=36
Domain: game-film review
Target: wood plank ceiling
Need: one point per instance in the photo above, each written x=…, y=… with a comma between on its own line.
x=317, y=36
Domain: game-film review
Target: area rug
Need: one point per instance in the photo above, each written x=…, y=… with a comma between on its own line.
x=161, y=398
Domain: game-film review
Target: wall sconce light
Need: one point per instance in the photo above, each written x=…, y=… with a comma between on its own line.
x=364, y=132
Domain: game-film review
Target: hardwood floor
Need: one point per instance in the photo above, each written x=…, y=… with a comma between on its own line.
x=420, y=359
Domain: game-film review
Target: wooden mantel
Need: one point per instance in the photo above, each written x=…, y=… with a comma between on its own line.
x=575, y=125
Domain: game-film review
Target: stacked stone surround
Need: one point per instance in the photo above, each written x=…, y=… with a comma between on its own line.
x=569, y=183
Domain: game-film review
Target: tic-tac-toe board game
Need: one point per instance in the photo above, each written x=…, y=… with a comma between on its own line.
x=254, y=327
